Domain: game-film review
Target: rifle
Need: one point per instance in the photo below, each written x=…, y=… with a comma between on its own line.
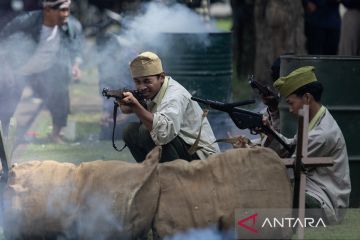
x=244, y=119
x=263, y=90
x=118, y=95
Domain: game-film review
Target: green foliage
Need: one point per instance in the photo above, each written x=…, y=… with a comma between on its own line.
x=223, y=24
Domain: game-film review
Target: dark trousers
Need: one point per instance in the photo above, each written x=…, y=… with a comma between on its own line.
x=321, y=41
x=311, y=202
x=56, y=99
x=140, y=143
x=313, y=208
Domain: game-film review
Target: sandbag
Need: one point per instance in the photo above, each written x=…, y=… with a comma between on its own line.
x=95, y=200
x=128, y=191
x=36, y=197
x=207, y=192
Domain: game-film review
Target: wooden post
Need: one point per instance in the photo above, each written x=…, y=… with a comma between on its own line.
x=300, y=163
x=4, y=161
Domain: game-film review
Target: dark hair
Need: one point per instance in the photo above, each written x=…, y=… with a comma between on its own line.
x=314, y=88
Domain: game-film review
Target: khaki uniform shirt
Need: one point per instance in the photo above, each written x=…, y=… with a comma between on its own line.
x=329, y=185
x=175, y=114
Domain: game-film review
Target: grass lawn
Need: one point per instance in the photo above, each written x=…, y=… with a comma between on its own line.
x=84, y=119
x=75, y=152
x=348, y=229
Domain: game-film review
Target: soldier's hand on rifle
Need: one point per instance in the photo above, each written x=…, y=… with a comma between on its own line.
x=272, y=102
x=269, y=97
x=266, y=121
x=128, y=102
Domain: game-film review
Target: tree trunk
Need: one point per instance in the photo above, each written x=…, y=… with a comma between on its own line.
x=279, y=29
x=243, y=37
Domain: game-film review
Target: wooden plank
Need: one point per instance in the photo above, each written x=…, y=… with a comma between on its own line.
x=298, y=167
x=4, y=162
x=299, y=175
x=310, y=162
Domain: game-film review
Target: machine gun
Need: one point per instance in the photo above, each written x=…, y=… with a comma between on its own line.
x=263, y=90
x=118, y=95
x=244, y=119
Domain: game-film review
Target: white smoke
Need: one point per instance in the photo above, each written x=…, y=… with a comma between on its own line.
x=159, y=18
x=98, y=219
x=148, y=30
x=95, y=218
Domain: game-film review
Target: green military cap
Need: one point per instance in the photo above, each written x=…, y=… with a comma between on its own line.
x=296, y=79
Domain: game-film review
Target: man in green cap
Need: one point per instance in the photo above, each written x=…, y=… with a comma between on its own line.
x=327, y=188
x=171, y=118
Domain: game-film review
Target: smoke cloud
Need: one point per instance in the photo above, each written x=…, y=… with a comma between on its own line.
x=147, y=30
x=144, y=31
x=147, y=27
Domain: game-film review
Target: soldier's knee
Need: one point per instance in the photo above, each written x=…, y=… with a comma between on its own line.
x=131, y=130
x=143, y=131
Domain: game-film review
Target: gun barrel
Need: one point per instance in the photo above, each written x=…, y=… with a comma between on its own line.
x=262, y=89
x=213, y=104
x=220, y=105
x=241, y=103
x=104, y=92
x=112, y=93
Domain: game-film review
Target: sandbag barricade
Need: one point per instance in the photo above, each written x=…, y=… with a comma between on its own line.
x=116, y=199
x=95, y=200
x=205, y=193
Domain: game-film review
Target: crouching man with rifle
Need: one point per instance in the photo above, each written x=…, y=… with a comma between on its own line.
x=327, y=188
x=169, y=119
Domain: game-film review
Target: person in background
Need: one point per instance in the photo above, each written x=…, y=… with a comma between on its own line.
x=322, y=26
x=327, y=188
x=350, y=29
x=171, y=118
x=43, y=49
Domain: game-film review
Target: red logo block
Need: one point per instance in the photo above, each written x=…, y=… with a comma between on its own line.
x=241, y=223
